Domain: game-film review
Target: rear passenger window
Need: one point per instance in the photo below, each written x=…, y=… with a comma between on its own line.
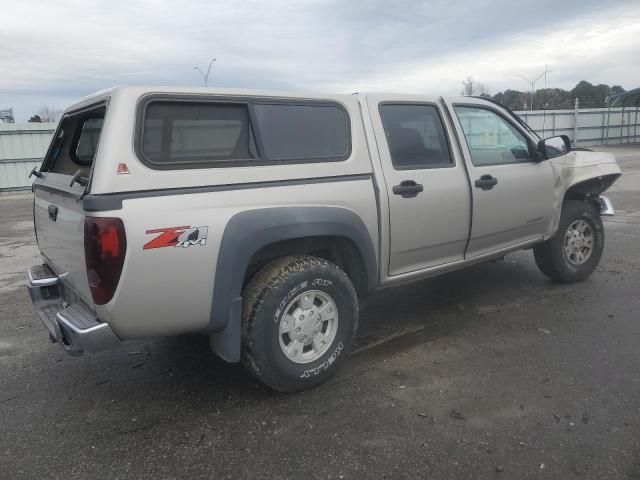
x=76, y=143
x=181, y=133
x=303, y=132
x=416, y=136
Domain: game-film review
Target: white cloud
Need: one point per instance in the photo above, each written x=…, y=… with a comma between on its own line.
x=54, y=52
x=596, y=49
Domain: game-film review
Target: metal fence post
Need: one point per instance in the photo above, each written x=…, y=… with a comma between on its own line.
x=606, y=140
x=575, y=123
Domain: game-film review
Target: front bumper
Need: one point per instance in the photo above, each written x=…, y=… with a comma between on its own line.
x=606, y=207
x=75, y=326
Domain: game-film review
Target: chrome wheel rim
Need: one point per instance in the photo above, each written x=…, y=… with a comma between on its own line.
x=308, y=326
x=578, y=242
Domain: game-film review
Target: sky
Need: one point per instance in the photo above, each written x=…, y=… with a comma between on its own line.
x=54, y=52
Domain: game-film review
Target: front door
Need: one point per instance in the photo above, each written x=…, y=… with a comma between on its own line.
x=513, y=192
x=427, y=188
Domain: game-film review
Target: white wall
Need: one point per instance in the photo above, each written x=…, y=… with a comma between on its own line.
x=22, y=147
x=623, y=127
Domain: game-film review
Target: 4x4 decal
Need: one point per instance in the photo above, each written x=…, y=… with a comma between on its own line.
x=177, y=237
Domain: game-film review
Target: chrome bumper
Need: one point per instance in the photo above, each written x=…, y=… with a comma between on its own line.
x=76, y=326
x=606, y=207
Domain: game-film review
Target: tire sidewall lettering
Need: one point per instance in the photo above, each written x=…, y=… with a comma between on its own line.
x=287, y=298
x=323, y=365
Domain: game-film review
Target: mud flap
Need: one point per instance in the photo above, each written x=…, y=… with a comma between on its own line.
x=226, y=344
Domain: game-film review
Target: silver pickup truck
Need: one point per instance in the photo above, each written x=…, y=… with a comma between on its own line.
x=260, y=219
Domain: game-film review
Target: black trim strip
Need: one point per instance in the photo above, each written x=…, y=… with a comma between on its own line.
x=57, y=189
x=113, y=201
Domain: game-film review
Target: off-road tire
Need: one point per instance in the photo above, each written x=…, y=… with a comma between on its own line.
x=263, y=300
x=550, y=256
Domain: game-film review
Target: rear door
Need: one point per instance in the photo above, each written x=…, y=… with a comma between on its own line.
x=513, y=192
x=58, y=213
x=427, y=187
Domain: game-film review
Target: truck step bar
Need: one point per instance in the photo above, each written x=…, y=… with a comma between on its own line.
x=76, y=326
x=42, y=275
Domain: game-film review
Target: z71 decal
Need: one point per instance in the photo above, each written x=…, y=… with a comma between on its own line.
x=177, y=237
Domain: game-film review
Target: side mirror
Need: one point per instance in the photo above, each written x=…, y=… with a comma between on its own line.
x=554, y=146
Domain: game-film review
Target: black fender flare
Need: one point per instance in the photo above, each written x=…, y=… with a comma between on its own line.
x=249, y=231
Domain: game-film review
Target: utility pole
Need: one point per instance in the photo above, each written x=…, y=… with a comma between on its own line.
x=205, y=76
x=533, y=82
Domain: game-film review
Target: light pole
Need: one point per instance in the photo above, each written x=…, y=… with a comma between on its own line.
x=205, y=76
x=533, y=82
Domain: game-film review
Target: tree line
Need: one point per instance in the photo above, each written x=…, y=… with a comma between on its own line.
x=589, y=96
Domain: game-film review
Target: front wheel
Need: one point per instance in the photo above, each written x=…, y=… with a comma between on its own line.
x=299, y=318
x=574, y=252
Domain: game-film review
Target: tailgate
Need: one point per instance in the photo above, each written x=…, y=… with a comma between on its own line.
x=58, y=190
x=59, y=224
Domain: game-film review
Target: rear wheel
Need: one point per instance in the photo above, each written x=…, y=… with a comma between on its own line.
x=299, y=318
x=574, y=252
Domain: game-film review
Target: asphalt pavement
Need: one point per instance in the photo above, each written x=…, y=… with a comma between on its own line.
x=489, y=372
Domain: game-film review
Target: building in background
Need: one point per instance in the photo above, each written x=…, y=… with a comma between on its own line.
x=6, y=116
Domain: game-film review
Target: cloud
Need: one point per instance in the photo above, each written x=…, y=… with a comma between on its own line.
x=600, y=50
x=55, y=52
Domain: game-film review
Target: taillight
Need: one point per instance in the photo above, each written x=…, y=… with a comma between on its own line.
x=105, y=245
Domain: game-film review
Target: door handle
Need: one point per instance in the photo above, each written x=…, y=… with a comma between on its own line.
x=486, y=182
x=53, y=212
x=408, y=189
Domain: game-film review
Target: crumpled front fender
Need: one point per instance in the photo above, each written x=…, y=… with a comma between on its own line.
x=583, y=173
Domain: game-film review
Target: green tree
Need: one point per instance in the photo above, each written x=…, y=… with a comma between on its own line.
x=589, y=95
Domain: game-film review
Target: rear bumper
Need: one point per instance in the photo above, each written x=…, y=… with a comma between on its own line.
x=75, y=326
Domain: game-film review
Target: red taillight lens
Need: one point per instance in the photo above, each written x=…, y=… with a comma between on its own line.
x=105, y=245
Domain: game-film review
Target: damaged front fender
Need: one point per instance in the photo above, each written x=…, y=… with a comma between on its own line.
x=581, y=174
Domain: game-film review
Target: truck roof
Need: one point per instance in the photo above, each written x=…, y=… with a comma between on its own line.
x=134, y=92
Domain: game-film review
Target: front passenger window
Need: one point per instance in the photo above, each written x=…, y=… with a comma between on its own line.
x=491, y=139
